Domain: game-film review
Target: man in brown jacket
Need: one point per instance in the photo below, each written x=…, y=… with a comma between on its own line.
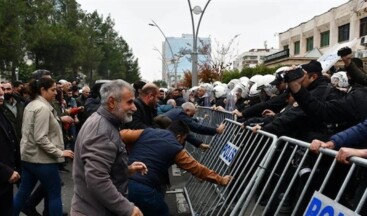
x=159, y=149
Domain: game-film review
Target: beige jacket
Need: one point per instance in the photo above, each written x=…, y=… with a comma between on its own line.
x=42, y=140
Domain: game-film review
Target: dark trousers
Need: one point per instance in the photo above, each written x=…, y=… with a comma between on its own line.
x=6, y=199
x=148, y=199
x=48, y=175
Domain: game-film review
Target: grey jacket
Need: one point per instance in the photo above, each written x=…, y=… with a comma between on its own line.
x=42, y=140
x=100, y=169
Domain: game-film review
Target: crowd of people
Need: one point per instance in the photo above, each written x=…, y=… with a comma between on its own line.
x=122, y=138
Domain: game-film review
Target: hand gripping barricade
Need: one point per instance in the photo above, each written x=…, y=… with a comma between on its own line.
x=237, y=152
x=207, y=117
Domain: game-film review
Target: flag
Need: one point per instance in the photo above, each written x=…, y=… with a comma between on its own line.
x=330, y=58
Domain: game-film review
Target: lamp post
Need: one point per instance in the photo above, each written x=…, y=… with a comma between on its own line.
x=195, y=32
x=173, y=60
x=168, y=78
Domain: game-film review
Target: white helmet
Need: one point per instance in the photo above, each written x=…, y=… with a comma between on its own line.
x=207, y=86
x=255, y=79
x=269, y=89
x=244, y=89
x=254, y=92
x=265, y=80
x=233, y=83
x=281, y=69
x=340, y=80
x=216, y=83
x=220, y=91
x=244, y=79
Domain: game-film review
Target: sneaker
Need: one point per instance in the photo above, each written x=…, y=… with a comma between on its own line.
x=30, y=212
x=64, y=170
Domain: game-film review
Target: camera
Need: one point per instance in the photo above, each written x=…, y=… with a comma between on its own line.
x=344, y=51
x=293, y=74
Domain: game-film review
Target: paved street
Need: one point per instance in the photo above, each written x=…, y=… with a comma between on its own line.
x=176, y=201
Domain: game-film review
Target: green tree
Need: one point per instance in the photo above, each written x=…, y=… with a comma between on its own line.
x=59, y=36
x=160, y=83
x=11, y=34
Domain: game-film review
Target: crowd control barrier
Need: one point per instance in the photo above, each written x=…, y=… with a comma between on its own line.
x=237, y=152
x=299, y=182
x=276, y=177
x=207, y=117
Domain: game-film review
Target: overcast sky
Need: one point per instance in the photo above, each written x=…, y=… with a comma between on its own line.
x=255, y=20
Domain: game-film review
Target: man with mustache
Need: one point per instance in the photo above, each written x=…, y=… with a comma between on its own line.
x=9, y=160
x=100, y=169
x=13, y=108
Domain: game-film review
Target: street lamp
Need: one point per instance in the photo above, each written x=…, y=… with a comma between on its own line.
x=173, y=60
x=167, y=75
x=195, y=32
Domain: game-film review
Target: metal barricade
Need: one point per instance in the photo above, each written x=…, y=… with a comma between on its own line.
x=292, y=176
x=237, y=152
x=211, y=118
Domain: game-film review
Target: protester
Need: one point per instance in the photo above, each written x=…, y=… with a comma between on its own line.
x=13, y=108
x=163, y=108
x=42, y=147
x=100, y=169
x=203, y=97
x=186, y=113
x=9, y=161
x=159, y=149
x=146, y=107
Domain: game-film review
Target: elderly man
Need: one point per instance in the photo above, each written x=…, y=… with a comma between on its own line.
x=186, y=113
x=100, y=168
x=204, y=99
x=9, y=161
x=80, y=101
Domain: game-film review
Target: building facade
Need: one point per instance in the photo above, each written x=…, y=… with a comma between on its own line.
x=176, y=56
x=315, y=37
x=252, y=58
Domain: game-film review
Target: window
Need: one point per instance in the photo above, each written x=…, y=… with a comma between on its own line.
x=343, y=33
x=309, y=44
x=285, y=47
x=297, y=47
x=363, y=27
x=325, y=39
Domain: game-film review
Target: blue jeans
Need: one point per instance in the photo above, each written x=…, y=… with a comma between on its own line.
x=148, y=199
x=48, y=175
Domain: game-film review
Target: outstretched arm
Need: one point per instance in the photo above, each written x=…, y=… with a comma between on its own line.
x=186, y=162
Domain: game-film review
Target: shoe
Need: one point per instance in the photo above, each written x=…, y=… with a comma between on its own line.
x=30, y=212
x=63, y=214
x=64, y=170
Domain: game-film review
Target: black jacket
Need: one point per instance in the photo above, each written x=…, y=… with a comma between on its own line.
x=275, y=104
x=240, y=104
x=9, y=153
x=294, y=122
x=178, y=114
x=16, y=121
x=143, y=117
x=351, y=108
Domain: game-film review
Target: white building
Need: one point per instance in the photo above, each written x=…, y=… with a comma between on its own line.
x=311, y=39
x=252, y=58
